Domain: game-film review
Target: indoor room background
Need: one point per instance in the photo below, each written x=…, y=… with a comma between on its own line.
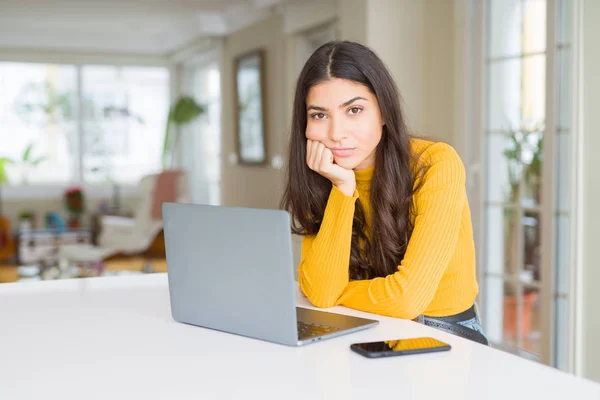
x=97, y=97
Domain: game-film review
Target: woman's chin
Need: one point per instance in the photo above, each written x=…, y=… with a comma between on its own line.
x=346, y=163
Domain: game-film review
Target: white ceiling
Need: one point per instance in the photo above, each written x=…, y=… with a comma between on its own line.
x=144, y=27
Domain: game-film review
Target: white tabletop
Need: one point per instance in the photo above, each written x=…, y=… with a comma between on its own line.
x=114, y=338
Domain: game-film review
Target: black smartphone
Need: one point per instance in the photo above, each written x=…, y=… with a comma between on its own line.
x=401, y=347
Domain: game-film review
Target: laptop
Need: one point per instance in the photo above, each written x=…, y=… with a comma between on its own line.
x=231, y=269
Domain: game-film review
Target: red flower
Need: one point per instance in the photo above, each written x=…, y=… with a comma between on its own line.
x=74, y=200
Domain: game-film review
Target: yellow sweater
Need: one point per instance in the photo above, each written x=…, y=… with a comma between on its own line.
x=436, y=276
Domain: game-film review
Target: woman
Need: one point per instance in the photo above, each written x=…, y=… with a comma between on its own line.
x=384, y=216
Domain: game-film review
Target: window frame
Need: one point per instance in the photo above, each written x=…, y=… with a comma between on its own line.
x=95, y=191
x=476, y=98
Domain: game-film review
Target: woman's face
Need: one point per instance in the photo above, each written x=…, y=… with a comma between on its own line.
x=345, y=117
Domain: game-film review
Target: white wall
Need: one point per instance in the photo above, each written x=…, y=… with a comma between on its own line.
x=303, y=15
x=590, y=183
x=438, y=114
x=414, y=38
x=416, y=41
x=352, y=20
x=396, y=31
x=256, y=186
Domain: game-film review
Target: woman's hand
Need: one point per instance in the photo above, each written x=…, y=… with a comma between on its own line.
x=320, y=159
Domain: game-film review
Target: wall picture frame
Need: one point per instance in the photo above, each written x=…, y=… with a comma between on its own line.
x=250, y=108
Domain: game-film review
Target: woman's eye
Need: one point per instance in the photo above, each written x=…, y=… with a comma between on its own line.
x=317, y=116
x=354, y=110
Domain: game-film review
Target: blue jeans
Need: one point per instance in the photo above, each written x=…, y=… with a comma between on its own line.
x=473, y=323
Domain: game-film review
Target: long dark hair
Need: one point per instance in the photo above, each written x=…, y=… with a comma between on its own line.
x=392, y=185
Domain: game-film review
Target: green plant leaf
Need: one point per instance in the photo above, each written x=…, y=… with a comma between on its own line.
x=184, y=111
x=166, y=143
x=39, y=160
x=27, y=152
x=4, y=161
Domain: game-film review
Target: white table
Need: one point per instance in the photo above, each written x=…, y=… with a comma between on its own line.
x=113, y=338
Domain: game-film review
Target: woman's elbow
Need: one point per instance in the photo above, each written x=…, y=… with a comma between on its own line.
x=320, y=295
x=408, y=307
x=322, y=303
x=316, y=297
x=321, y=300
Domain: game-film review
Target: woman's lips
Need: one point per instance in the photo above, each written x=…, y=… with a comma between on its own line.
x=342, y=152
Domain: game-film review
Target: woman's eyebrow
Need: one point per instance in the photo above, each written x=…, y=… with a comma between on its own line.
x=345, y=104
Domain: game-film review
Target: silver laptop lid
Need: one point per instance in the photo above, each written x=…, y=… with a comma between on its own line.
x=231, y=269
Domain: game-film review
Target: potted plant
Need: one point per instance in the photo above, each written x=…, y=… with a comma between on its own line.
x=75, y=203
x=4, y=161
x=29, y=162
x=6, y=238
x=184, y=111
x=524, y=159
x=27, y=220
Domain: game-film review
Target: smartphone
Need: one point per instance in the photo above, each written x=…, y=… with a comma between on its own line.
x=401, y=347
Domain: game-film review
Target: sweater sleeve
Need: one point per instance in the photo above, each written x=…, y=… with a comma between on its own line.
x=323, y=271
x=439, y=205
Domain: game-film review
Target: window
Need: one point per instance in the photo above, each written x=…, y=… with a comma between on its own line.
x=124, y=121
x=207, y=90
x=62, y=124
x=38, y=123
x=201, y=139
x=525, y=145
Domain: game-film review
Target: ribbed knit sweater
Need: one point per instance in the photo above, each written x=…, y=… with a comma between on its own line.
x=436, y=277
